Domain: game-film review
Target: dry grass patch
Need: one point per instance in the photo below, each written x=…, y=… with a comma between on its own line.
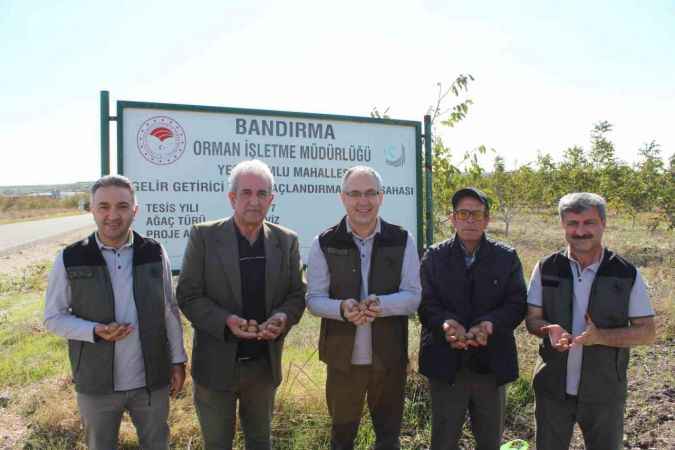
x=45, y=397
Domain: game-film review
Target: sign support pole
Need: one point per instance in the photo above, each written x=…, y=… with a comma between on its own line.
x=105, y=133
x=429, y=228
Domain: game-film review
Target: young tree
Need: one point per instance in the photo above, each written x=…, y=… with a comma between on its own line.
x=501, y=183
x=548, y=188
x=575, y=171
x=444, y=172
x=606, y=172
x=667, y=200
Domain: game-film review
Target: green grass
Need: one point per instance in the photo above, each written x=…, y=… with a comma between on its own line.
x=33, y=279
x=28, y=353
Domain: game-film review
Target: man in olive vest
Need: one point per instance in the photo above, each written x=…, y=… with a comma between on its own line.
x=590, y=306
x=363, y=281
x=110, y=295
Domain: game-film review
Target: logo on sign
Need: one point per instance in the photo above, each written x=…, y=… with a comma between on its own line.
x=394, y=156
x=161, y=140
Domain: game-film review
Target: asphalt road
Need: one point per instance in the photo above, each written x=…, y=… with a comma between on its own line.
x=17, y=235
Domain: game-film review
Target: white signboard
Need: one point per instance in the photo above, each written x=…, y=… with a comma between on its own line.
x=180, y=158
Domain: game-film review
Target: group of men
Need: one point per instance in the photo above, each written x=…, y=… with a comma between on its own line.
x=242, y=288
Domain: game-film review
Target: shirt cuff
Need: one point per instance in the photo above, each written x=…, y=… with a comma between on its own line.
x=342, y=313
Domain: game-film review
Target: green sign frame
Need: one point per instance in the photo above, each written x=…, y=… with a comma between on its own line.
x=125, y=104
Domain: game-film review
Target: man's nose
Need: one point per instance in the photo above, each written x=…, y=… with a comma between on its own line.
x=363, y=200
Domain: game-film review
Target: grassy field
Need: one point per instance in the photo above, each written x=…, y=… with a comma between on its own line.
x=21, y=209
x=35, y=386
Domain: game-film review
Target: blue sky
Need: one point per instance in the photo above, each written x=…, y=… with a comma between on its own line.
x=545, y=70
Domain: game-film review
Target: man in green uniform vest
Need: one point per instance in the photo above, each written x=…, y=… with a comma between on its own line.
x=110, y=295
x=363, y=281
x=590, y=306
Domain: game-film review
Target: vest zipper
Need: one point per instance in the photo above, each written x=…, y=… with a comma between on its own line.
x=112, y=297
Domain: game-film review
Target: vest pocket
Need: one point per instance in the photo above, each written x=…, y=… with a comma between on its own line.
x=549, y=373
x=75, y=273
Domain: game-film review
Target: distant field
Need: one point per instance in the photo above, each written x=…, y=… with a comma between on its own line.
x=34, y=375
x=24, y=208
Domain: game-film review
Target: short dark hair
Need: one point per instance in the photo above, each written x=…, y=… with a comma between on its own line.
x=114, y=180
x=473, y=193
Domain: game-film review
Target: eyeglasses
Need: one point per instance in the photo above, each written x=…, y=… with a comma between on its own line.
x=369, y=194
x=464, y=214
x=248, y=193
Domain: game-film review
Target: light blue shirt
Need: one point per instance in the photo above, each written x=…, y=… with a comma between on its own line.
x=401, y=303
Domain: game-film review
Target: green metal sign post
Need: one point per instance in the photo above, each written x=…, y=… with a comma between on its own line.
x=105, y=133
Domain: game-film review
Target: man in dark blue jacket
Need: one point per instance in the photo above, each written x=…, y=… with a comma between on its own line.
x=473, y=297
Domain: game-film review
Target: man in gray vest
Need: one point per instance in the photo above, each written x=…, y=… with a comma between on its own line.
x=110, y=295
x=363, y=281
x=590, y=306
x=242, y=288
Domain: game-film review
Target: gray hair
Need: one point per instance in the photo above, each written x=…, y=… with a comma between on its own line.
x=252, y=166
x=578, y=202
x=113, y=180
x=362, y=169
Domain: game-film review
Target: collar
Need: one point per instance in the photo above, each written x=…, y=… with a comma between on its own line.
x=458, y=243
x=378, y=229
x=101, y=245
x=466, y=252
x=593, y=267
x=240, y=235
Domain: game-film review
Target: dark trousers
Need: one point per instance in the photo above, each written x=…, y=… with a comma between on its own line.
x=601, y=423
x=345, y=395
x=216, y=410
x=473, y=392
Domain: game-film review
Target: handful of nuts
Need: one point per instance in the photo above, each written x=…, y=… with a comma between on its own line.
x=370, y=307
x=250, y=326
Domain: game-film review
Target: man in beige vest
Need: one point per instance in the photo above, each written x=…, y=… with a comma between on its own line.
x=363, y=279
